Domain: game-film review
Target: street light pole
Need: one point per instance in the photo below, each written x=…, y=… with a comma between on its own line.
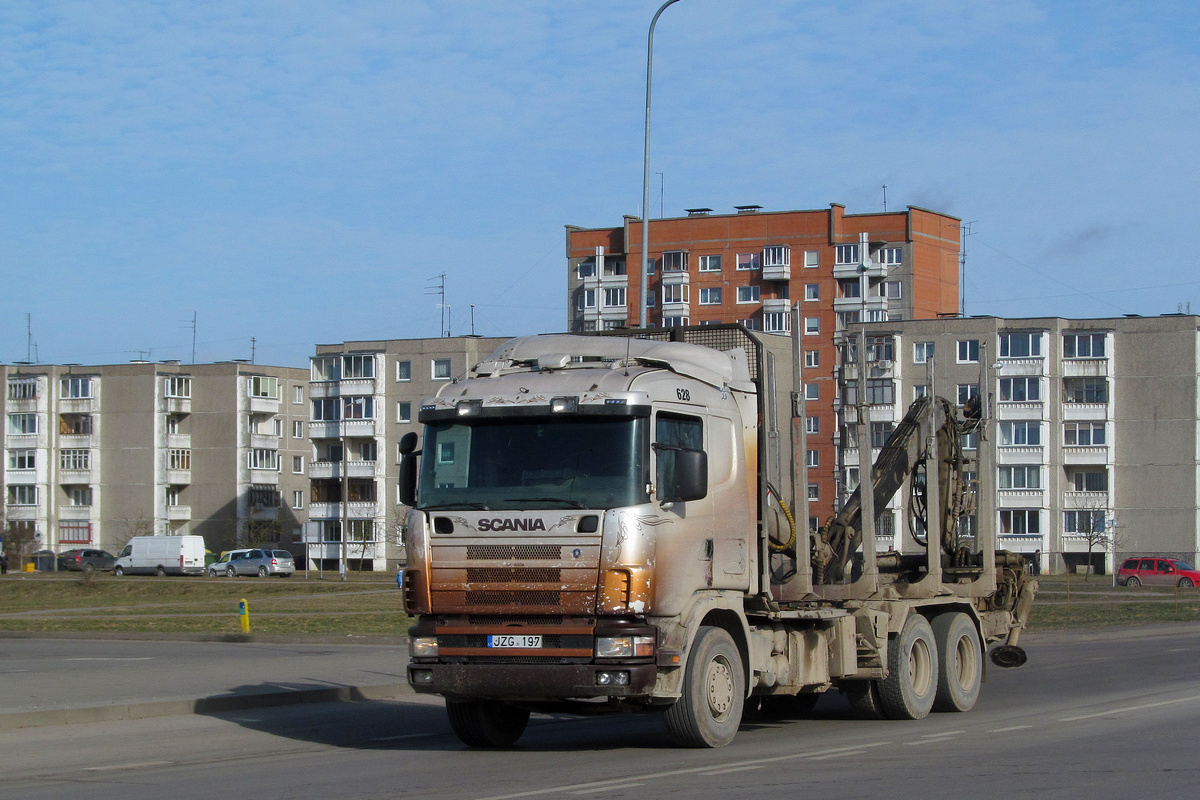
x=646, y=170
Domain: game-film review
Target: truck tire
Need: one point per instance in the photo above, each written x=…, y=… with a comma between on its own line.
x=911, y=685
x=960, y=662
x=714, y=692
x=486, y=723
x=864, y=699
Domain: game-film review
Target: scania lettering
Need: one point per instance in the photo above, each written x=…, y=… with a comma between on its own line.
x=608, y=523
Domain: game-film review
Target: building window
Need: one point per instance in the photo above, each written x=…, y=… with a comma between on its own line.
x=22, y=495
x=22, y=459
x=747, y=261
x=404, y=412
x=1090, y=480
x=851, y=288
x=179, y=458
x=710, y=263
x=297, y=429
x=845, y=254
x=585, y=299
x=1083, y=345
x=851, y=478
x=1020, y=522
x=812, y=359
x=74, y=424
x=812, y=326
x=1083, y=433
x=325, y=409
x=1020, y=345
x=75, y=387
x=814, y=493
x=812, y=425
x=440, y=368
x=298, y=395
x=614, y=297
x=812, y=459
x=880, y=391
x=79, y=495
x=812, y=291
x=880, y=349
x=675, y=261
x=74, y=459
x=264, y=386
x=968, y=351
x=812, y=259
x=1084, y=522
x=777, y=256
x=22, y=388
x=920, y=390
x=358, y=408
x=748, y=294
x=750, y=324
x=261, y=458
x=22, y=423
x=297, y=499
x=586, y=268
x=298, y=465
x=777, y=322
x=177, y=386
x=893, y=290
x=263, y=496
x=1021, y=477
x=1085, y=390
x=1020, y=390
x=358, y=366
x=1018, y=434
x=404, y=370
x=922, y=352
x=328, y=368
x=890, y=256
x=966, y=391
x=675, y=293
x=969, y=441
x=812, y=391
x=445, y=452
x=675, y=322
x=710, y=296
x=880, y=431
x=277, y=426
x=75, y=531
x=616, y=266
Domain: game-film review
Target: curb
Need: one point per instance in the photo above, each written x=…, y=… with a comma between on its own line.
x=205, y=705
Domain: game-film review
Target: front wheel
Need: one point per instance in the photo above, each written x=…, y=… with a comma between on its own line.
x=1132, y=582
x=230, y=573
x=486, y=723
x=262, y=572
x=714, y=692
x=92, y=568
x=118, y=571
x=909, y=689
x=1186, y=583
x=960, y=662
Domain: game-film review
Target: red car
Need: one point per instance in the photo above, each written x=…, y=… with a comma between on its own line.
x=1157, y=572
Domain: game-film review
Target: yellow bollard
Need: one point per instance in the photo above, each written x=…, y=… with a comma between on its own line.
x=244, y=613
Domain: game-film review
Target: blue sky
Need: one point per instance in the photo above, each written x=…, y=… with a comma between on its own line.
x=300, y=172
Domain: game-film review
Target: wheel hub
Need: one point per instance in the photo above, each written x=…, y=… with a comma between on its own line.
x=720, y=688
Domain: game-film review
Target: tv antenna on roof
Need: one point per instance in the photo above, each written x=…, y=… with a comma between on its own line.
x=439, y=289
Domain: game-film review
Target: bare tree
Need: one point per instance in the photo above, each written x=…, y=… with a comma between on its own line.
x=259, y=532
x=19, y=539
x=128, y=528
x=1096, y=525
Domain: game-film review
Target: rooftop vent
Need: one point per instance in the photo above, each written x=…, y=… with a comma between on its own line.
x=748, y=209
x=698, y=212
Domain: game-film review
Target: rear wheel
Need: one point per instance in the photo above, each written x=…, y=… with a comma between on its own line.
x=262, y=572
x=160, y=571
x=714, y=692
x=960, y=662
x=1132, y=582
x=1186, y=583
x=92, y=568
x=909, y=689
x=486, y=723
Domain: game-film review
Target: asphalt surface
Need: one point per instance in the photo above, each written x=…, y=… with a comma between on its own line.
x=53, y=681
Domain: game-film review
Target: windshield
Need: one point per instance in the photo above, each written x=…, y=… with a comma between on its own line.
x=493, y=464
x=1182, y=565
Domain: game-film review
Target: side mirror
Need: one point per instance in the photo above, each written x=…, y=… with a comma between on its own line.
x=684, y=475
x=408, y=469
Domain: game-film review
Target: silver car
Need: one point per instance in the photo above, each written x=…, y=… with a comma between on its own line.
x=261, y=563
x=222, y=566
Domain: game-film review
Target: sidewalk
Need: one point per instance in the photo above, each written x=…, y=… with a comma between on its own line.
x=65, y=680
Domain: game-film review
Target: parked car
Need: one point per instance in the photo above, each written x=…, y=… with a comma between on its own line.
x=262, y=563
x=222, y=565
x=84, y=560
x=1154, y=571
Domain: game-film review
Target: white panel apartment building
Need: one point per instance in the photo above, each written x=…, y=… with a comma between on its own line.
x=1096, y=425
x=363, y=397
x=93, y=455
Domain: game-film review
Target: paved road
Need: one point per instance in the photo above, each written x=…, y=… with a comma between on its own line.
x=1092, y=717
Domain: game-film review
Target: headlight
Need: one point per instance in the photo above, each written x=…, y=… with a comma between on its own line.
x=624, y=646
x=423, y=647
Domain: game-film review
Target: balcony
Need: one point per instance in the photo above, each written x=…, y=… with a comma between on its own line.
x=777, y=272
x=875, y=270
x=177, y=405
x=264, y=405
x=67, y=476
x=873, y=303
x=179, y=477
x=264, y=441
x=676, y=278
x=179, y=513
x=333, y=469
x=1008, y=409
x=776, y=305
x=78, y=405
x=321, y=389
x=1085, y=455
x=1085, y=367
x=356, y=387
x=1085, y=412
x=181, y=441
x=74, y=513
x=1010, y=367
x=355, y=509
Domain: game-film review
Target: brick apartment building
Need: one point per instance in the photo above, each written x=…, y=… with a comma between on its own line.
x=752, y=265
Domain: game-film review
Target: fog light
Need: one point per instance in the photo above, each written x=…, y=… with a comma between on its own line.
x=420, y=676
x=423, y=647
x=603, y=678
x=612, y=678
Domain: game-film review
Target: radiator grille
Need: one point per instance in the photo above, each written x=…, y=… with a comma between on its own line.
x=517, y=575
x=516, y=598
x=480, y=552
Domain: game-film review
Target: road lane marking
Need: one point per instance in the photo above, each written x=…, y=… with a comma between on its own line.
x=611, y=788
x=112, y=658
x=1008, y=730
x=842, y=754
x=731, y=769
x=138, y=765
x=935, y=738
x=402, y=736
x=1131, y=708
x=582, y=788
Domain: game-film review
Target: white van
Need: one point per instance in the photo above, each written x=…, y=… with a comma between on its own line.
x=161, y=555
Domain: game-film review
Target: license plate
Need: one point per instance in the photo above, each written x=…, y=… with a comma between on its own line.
x=507, y=640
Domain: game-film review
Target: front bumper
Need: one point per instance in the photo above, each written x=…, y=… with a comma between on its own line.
x=529, y=681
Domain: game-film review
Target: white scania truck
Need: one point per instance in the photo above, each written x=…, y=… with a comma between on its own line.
x=606, y=523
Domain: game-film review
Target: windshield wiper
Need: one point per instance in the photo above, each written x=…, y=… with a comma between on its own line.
x=563, y=500
x=454, y=507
